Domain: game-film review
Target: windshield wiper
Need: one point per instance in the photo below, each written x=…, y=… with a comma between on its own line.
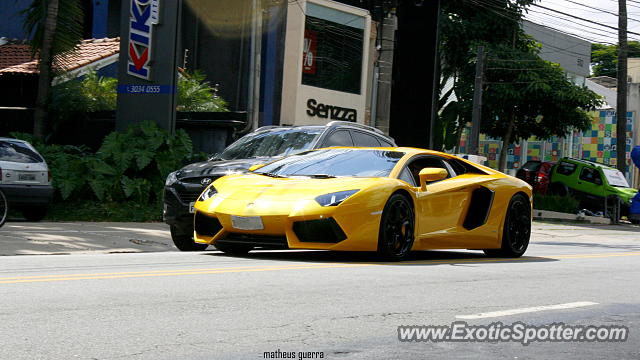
x=318, y=176
x=269, y=174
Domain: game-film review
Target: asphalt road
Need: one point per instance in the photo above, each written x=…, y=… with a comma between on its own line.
x=204, y=305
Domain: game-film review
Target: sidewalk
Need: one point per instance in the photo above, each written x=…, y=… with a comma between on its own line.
x=40, y=238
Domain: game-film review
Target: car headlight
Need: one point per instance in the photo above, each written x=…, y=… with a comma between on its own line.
x=334, y=199
x=171, y=179
x=208, y=193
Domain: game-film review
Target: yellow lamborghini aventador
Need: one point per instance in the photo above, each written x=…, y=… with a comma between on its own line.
x=389, y=200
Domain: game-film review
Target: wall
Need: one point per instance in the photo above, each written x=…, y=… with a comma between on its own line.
x=573, y=54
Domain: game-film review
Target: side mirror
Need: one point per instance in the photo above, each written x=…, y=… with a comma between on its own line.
x=431, y=174
x=256, y=167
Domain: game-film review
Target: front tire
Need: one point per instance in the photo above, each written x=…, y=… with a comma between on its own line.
x=516, y=231
x=184, y=241
x=4, y=208
x=397, y=225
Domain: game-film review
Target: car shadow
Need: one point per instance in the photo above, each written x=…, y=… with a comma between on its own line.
x=414, y=258
x=616, y=227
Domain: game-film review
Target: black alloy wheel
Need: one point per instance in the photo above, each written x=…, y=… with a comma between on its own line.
x=517, y=229
x=184, y=241
x=397, y=225
x=4, y=208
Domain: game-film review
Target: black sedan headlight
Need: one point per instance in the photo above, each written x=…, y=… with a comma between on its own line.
x=208, y=193
x=334, y=199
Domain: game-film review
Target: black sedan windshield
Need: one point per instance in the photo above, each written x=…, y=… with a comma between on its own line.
x=271, y=143
x=335, y=162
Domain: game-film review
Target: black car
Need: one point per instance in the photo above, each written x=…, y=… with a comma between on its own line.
x=265, y=144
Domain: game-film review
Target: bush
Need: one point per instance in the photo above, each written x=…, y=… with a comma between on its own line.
x=129, y=166
x=564, y=204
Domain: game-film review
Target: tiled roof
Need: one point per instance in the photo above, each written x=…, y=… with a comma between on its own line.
x=16, y=58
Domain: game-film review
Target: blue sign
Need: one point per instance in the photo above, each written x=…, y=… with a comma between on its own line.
x=146, y=89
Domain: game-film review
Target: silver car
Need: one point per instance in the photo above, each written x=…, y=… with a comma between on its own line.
x=25, y=179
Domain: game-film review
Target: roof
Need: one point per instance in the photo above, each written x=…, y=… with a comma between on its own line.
x=606, y=81
x=17, y=58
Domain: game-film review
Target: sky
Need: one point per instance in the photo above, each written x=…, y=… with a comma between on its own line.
x=585, y=30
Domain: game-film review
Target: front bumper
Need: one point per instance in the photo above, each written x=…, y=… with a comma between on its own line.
x=294, y=225
x=27, y=195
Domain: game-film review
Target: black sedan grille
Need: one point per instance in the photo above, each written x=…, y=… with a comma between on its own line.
x=187, y=196
x=189, y=189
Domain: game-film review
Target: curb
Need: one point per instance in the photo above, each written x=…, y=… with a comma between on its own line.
x=554, y=215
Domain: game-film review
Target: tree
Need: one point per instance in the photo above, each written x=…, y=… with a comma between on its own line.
x=465, y=25
x=55, y=26
x=604, y=58
x=524, y=96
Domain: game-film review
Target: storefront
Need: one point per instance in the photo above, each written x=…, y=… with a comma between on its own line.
x=326, y=63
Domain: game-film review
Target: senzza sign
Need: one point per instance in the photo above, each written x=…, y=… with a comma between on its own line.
x=143, y=15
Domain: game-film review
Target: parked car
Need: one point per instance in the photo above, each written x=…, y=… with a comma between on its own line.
x=537, y=174
x=25, y=178
x=183, y=187
x=390, y=201
x=591, y=183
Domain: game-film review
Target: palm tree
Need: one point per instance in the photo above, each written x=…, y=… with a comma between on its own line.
x=55, y=27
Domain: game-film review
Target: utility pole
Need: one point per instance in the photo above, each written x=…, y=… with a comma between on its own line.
x=476, y=114
x=621, y=109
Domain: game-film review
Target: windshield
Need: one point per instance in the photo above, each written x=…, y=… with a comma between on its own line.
x=335, y=162
x=271, y=143
x=19, y=152
x=615, y=178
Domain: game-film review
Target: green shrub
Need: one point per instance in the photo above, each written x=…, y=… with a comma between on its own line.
x=565, y=204
x=195, y=94
x=129, y=166
x=97, y=93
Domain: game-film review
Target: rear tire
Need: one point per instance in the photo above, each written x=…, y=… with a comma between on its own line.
x=35, y=213
x=516, y=231
x=184, y=241
x=4, y=208
x=234, y=249
x=397, y=225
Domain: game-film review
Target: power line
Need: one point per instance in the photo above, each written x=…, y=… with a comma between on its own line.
x=582, y=19
x=502, y=14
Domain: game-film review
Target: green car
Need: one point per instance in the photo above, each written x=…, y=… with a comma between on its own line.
x=591, y=183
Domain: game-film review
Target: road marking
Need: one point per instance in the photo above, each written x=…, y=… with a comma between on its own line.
x=260, y=268
x=526, y=310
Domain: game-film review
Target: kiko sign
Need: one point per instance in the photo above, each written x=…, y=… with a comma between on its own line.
x=143, y=15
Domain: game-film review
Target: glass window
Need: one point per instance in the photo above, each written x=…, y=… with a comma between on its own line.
x=332, y=52
x=615, y=178
x=384, y=142
x=335, y=162
x=406, y=176
x=591, y=175
x=566, y=168
x=270, y=143
x=339, y=138
x=19, y=152
x=425, y=162
x=362, y=139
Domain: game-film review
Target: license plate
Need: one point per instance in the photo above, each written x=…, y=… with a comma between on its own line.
x=26, y=177
x=247, y=222
x=191, y=207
